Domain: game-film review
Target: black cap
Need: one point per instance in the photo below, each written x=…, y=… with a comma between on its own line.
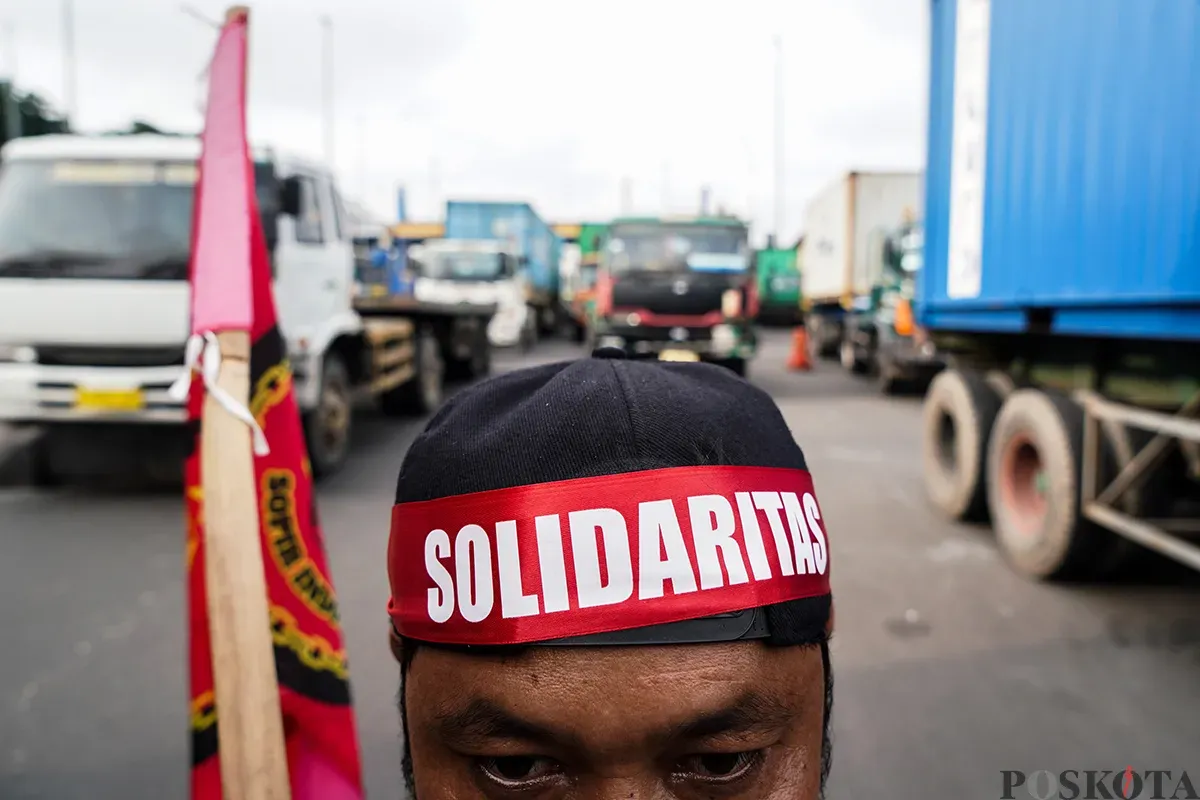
x=605, y=416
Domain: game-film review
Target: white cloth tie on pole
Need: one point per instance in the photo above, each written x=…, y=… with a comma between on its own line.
x=203, y=355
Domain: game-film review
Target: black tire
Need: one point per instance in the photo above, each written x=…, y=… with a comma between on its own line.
x=43, y=471
x=328, y=427
x=529, y=333
x=579, y=333
x=1033, y=474
x=848, y=356
x=480, y=363
x=423, y=394
x=957, y=420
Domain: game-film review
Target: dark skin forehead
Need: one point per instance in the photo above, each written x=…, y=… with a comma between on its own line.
x=618, y=721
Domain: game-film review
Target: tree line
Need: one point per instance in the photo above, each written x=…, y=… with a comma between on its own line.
x=29, y=114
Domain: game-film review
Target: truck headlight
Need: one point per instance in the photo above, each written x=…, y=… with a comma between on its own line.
x=724, y=337
x=731, y=303
x=17, y=354
x=633, y=320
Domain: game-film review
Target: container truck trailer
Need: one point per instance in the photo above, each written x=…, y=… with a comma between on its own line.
x=529, y=236
x=841, y=224
x=1063, y=279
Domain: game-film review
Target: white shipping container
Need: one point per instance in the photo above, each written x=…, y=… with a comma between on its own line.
x=844, y=228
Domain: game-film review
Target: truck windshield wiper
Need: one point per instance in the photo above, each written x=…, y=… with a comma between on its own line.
x=34, y=264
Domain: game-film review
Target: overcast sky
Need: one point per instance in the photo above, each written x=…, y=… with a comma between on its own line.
x=550, y=101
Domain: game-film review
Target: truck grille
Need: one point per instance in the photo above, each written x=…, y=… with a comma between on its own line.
x=659, y=294
x=83, y=356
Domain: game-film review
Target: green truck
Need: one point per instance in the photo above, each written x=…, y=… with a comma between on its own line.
x=678, y=289
x=880, y=337
x=778, y=276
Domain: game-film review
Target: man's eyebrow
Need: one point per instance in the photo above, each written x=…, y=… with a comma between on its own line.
x=483, y=719
x=752, y=711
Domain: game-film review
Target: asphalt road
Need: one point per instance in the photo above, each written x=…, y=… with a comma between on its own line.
x=949, y=669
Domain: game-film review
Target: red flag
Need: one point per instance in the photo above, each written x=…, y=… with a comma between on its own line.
x=310, y=658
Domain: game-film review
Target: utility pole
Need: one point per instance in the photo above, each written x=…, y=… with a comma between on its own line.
x=327, y=87
x=435, y=185
x=779, y=165
x=68, y=23
x=626, y=196
x=362, y=158
x=10, y=50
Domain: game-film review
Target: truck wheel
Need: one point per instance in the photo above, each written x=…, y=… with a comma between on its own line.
x=848, y=355
x=423, y=393
x=43, y=472
x=328, y=426
x=1033, y=474
x=480, y=362
x=529, y=334
x=957, y=420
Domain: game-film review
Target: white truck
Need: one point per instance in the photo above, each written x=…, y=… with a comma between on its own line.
x=454, y=271
x=94, y=244
x=845, y=226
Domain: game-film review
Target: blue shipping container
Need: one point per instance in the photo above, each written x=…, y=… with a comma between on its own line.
x=1063, y=167
x=515, y=222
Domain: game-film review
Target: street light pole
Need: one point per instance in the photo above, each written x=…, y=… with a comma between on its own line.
x=779, y=166
x=327, y=86
x=68, y=23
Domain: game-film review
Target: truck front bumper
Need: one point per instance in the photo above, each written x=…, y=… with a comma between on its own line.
x=43, y=394
x=722, y=342
x=910, y=355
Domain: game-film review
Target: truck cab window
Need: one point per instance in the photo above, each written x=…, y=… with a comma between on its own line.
x=309, y=222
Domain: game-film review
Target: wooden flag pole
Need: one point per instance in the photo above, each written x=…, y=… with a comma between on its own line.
x=249, y=721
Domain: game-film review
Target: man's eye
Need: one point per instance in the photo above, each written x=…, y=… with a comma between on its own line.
x=719, y=767
x=517, y=770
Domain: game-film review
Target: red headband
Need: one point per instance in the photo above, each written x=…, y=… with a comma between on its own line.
x=592, y=555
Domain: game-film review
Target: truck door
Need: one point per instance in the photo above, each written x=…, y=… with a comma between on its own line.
x=313, y=262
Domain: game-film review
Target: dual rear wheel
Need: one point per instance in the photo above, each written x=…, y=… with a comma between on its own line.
x=1016, y=457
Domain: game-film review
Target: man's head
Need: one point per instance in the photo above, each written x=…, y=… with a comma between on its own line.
x=610, y=579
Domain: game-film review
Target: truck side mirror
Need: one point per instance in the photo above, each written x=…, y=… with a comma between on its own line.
x=289, y=196
x=270, y=226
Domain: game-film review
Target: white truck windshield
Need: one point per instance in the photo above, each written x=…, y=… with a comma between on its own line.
x=97, y=218
x=462, y=266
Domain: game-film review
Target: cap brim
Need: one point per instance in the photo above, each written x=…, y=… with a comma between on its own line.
x=733, y=627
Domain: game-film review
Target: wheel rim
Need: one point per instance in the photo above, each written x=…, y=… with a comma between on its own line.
x=335, y=418
x=1023, y=484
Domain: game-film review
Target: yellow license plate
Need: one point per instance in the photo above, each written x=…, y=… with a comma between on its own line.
x=109, y=399
x=678, y=355
x=379, y=291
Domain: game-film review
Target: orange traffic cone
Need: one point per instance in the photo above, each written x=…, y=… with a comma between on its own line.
x=798, y=360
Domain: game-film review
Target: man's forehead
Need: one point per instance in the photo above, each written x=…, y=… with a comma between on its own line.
x=546, y=676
